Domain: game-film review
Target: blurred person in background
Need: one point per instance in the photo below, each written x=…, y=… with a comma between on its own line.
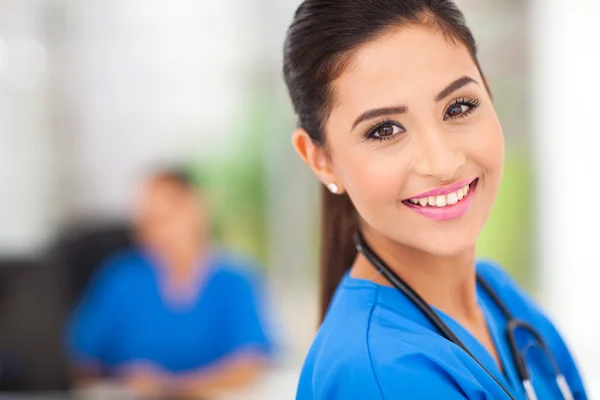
x=397, y=122
x=173, y=317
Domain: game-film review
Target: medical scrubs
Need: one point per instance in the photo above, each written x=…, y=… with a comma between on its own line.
x=375, y=344
x=125, y=317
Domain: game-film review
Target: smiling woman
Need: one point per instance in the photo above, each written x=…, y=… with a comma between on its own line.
x=397, y=120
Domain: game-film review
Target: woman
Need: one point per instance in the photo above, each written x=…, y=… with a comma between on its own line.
x=397, y=121
x=173, y=317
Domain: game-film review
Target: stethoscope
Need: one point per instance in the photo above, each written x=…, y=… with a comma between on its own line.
x=512, y=326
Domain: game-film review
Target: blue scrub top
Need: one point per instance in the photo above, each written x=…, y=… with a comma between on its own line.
x=124, y=317
x=375, y=344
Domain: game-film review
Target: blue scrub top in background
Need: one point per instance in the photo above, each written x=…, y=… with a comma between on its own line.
x=375, y=344
x=124, y=317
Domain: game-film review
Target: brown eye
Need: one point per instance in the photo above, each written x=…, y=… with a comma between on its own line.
x=456, y=109
x=461, y=108
x=387, y=130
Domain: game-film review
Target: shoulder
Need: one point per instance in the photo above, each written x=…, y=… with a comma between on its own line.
x=121, y=270
x=112, y=285
x=361, y=351
x=523, y=306
x=338, y=364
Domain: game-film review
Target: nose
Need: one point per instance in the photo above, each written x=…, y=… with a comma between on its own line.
x=439, y=157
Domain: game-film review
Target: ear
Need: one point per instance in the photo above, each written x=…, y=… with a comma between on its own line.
x=315, y=157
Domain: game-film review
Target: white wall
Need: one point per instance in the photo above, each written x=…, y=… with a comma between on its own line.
x=149, y=81
x=27, y=207
x=566, y=109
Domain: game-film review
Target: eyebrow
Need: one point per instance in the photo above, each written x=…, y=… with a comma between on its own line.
x=453, y=87
x=378, y=112
x=447, y=91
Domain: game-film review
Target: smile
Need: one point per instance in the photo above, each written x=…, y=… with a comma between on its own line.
x=445, y=203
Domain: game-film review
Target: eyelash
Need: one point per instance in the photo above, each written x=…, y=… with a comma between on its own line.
x=464, y=101
x=370, y=134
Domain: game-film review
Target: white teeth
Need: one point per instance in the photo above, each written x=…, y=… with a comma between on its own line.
x=452, y=198
x=443, y=200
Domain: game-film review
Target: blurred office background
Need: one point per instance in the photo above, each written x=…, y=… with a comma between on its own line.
x=94, y=93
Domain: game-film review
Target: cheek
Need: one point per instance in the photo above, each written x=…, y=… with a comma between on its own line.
x=486, y=148
x=373, y=178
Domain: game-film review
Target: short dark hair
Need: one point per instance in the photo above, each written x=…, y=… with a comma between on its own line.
x=177, y=175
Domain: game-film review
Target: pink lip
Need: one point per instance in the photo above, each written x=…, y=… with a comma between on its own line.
x=448, y=212
x=446, y=189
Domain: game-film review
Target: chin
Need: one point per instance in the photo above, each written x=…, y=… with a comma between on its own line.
x=449, y=249
x=446, y=239
x=438, y=240
x=444, y=245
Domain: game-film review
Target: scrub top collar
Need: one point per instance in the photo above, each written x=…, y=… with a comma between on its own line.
x=389, y=295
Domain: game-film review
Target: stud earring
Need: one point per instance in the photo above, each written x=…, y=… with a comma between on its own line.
x=333, y=188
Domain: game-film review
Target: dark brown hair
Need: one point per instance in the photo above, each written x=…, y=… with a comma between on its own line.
x=319, y=44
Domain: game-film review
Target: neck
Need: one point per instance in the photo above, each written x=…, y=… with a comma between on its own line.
x=183, y=261
x=446, y=283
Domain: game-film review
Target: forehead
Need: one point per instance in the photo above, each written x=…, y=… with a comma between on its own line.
x=401, y=65
x=161, y=192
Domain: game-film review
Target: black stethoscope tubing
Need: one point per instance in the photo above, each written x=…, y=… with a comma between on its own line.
x=446, y=332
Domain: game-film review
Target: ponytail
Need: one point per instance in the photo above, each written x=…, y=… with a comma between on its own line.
x=339, y=221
